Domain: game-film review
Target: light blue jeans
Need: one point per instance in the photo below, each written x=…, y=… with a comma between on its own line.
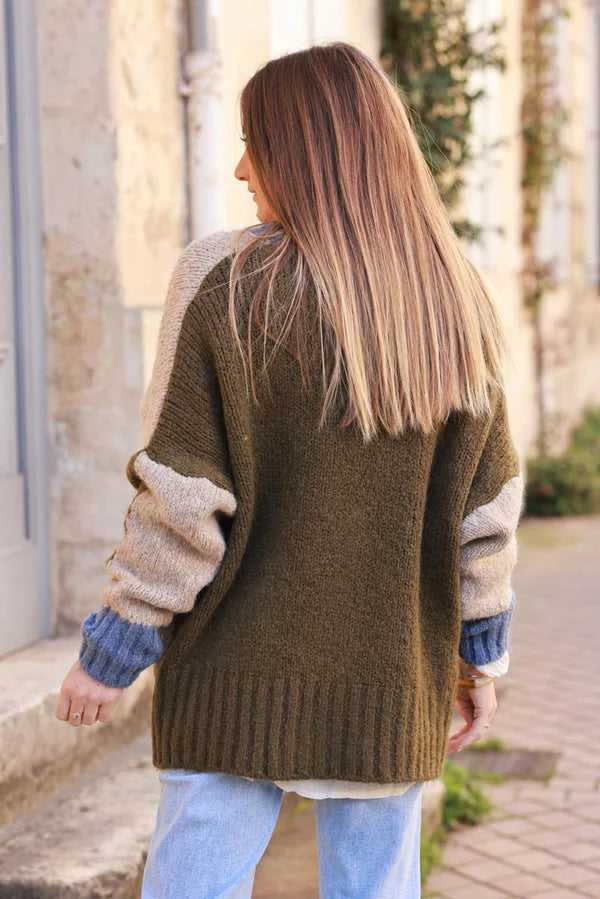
x=213, y=828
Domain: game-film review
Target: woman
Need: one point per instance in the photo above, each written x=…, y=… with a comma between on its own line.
x=319, y=547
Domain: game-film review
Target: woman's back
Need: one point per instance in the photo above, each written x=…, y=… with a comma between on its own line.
x=325, y=645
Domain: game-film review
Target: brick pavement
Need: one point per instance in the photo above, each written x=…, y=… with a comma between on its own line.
x=543, y=838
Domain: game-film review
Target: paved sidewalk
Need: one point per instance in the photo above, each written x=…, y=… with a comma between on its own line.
x=543, y=839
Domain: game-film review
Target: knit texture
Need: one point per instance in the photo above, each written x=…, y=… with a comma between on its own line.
x=484, y=640
x=115, y=650
x=313, y=590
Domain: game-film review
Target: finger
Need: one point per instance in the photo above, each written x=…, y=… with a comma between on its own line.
x=89, y=714
x=105, y=710
x=455, y=738
x=465, y=709
x=460, y=743
x=455, y=745
x=62, y=706
x=459, y=733
x=463, y=730
x=477, y=733
x=76, y=714
x=469, y=735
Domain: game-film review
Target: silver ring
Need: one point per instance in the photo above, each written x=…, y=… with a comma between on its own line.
x=76, y=715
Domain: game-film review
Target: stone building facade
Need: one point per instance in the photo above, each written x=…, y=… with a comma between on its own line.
x=104, y=106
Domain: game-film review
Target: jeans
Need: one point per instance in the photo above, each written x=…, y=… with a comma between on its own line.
x=212, y=829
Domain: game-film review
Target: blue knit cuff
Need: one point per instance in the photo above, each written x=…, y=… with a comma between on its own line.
x=483, y=640
x=115, y=651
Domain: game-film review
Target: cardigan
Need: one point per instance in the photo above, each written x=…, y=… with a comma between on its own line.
x=303, y=595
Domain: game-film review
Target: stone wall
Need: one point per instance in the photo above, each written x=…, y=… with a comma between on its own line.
x=113, y=198
x=113, y=139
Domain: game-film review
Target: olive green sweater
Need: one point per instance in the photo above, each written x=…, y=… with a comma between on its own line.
x=311, y=592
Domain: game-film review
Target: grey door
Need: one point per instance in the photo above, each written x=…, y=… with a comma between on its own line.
x=23, y=613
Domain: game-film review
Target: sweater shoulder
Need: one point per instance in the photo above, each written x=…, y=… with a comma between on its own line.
x=201, y=257
x=191, y=273
x=205, y=266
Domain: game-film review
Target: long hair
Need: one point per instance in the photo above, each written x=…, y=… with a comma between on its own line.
x=407, y=327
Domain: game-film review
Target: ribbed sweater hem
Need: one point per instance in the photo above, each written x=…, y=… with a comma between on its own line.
x=209, y=718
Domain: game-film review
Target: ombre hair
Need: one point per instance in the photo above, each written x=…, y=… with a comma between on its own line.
x=407, y=326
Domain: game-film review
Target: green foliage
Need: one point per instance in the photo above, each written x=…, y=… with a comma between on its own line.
x=464, y=802
x=568, y=484
x=490, y=743
x=431, y=853
x=585, y=436
x=429, y=52
x=544, y=146
x=491, y=777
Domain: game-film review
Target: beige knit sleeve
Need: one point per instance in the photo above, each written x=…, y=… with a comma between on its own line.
x=175, y=529
x=174, y=538
x=488, y=544
x=488, y=533
x=488, y=552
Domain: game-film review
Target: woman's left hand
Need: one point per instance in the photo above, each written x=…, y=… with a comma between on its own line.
x=84, y=700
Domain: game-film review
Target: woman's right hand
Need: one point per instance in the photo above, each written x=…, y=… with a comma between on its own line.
x=477, y=705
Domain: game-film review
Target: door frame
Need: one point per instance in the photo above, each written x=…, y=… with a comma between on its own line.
x=30, y=336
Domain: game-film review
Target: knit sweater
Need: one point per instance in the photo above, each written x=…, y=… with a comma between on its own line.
x=303, y=595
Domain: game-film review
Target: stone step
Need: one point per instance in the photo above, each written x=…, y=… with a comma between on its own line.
x=90, y=841
x=39, y=753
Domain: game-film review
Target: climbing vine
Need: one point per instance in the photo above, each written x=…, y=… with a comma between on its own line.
x=543, y=117
x=429, y=53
